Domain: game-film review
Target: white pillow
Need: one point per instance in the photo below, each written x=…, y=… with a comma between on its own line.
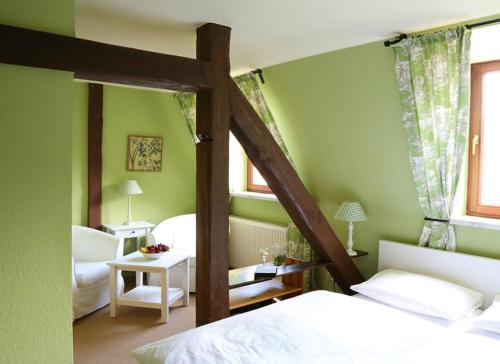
x=421, y=294
x=490, y=319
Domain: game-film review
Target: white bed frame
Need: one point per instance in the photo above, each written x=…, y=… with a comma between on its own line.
x=479, y=273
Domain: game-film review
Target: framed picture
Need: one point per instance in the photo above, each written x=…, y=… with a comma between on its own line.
x=144, y=153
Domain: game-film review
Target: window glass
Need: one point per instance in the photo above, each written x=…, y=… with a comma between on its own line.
x=257, y=177
x=490, y=163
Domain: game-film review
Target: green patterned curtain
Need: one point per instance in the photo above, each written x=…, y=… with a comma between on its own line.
x=433, y=72
x=249, y=85
x=299, y=248
x=187, y=102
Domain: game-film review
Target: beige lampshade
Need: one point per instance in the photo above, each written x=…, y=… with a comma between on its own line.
x=130, y=188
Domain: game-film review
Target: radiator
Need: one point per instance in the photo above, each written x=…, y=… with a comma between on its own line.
x=247, y=237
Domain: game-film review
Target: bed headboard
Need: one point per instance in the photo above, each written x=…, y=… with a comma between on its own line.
x=479, y=273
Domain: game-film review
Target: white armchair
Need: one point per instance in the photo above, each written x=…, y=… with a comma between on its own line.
x=91, y=249
x=178, y=233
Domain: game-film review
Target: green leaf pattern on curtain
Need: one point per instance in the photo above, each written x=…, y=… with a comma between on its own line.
x=433, y=72
x=249, y=85
x=299, y=248
x=187, y=102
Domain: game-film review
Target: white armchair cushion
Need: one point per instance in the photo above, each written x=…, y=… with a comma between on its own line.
x=178, y=232
x=163, y=233
x=91, y=250
x=185, y=238
x=74, y=284
x=191, y=252
x=88, y=273
x=94, y=245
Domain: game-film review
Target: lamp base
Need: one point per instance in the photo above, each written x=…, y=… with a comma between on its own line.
x=129, y=216
x=352, y=253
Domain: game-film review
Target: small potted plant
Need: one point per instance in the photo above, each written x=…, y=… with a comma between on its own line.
x=279, y=254
x=279, y=260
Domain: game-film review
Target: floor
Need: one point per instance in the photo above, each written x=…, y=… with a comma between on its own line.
x=97, y=338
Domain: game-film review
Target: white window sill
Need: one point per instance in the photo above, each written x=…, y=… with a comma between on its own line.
x=476, y=221
x=255, y=195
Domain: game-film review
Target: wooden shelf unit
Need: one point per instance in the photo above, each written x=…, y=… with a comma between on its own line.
x=245, y=276
x=259, y=292
x=245, y=289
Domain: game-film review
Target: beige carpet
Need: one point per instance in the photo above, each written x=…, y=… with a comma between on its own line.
x=97, y=338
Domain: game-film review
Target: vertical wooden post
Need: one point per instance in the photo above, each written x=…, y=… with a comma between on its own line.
x=94, y=177
x=212, y=175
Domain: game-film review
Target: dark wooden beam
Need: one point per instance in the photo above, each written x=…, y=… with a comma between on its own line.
x=101, y=62
x=94, y=168
x=268, y=158
x=212, y=176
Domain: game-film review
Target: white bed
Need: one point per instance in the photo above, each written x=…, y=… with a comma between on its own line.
x=325, y=327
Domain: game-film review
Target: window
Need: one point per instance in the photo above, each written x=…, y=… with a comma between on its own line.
x=255, y=181
x=483, y=197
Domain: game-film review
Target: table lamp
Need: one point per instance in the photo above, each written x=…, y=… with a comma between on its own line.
x=130, y=188
x=350, y=212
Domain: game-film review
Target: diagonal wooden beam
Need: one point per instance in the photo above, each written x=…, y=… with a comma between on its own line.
x=212, y=178
x=267, y=156
x=101, y=62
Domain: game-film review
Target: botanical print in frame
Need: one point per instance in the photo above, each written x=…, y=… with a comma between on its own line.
x=144, y=153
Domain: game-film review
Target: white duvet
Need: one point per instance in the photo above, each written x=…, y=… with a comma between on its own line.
x=323, y=327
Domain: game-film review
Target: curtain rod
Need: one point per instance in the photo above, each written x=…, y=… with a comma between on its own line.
x=388, y=43
x=259, y=73
x=483, y=23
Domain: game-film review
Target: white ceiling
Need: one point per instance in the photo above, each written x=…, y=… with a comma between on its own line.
x=268, y=32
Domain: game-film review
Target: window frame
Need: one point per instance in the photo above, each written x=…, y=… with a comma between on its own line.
x=474, y=206
x=252, y=187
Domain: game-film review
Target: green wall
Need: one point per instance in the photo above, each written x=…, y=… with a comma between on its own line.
x=79, y=165
x=35, y=263
x=259, y=210
x=340, y=116
x=129, y=111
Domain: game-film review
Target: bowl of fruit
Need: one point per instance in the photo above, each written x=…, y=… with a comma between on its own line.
x=154, y=251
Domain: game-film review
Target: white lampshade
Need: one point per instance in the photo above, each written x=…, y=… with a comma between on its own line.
x=130, y=188
x=350, y=211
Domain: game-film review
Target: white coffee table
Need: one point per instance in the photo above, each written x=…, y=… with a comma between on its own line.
x=149, y=296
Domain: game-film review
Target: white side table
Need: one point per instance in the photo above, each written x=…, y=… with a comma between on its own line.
x=149, y=296
x=135, y=230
